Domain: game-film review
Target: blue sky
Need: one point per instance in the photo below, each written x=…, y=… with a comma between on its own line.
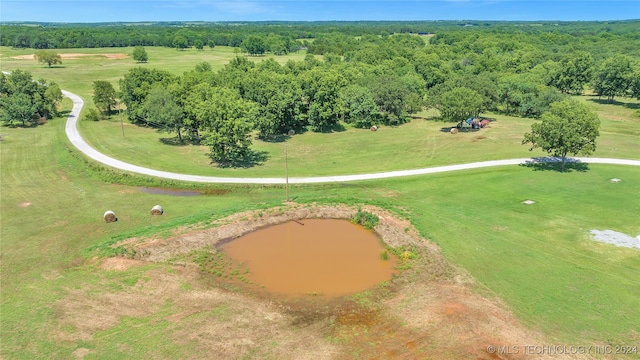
x=303, y=10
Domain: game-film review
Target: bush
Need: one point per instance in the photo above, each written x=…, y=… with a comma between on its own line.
x=92, y=115
x=366, y=219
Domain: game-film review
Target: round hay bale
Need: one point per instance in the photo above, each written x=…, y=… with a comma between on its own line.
x=374, y=128
x=528, y=202
x=109, y=216
x=291, y=132
x=453, y=131
x=157, y=210
x=615, y=180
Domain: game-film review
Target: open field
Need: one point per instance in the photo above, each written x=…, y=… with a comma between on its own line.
x=59, y=300
x=110, y=64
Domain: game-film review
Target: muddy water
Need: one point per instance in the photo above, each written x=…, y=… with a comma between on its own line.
x=323, y=256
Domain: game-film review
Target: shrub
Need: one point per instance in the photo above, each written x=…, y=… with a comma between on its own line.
x=366, y=219
x=92, y=115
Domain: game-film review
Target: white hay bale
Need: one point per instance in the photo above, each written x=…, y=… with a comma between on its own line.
x=453, y=131
x=615, y=180
x=528, y=202
x=109, y=216
x=374, y=128
x=157, y=210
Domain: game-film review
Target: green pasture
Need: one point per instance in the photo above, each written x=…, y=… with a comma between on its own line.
x=77, y=75
x=537, y=258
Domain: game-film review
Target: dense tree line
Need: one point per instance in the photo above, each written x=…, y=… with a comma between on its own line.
x=335, y=37
x=373, y=80
x=24, y=101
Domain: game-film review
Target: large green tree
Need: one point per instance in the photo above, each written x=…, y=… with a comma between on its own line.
x=460, y=103
x=22, y=99
x=321, y=89
x=17, y=108
x=279, y=98
x=360, y=109
x=104, y=96
x=574, y=72
x=614, y=77
x=568, y=128
x=254, y=45
x=223, y=118
x=391, y=95
x=49, y=57
x=162, y=110
x=135, y=86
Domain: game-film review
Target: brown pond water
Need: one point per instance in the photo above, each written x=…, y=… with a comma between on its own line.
x=324, y=256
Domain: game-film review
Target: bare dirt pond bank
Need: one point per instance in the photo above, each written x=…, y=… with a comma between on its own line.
x=430, y=310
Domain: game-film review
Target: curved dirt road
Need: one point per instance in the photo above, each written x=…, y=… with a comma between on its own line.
x=76, y=139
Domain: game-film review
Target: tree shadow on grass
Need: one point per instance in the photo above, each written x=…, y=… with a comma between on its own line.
x=174, y=141
x=254, y=158
x=552, y=163
x=628, y=105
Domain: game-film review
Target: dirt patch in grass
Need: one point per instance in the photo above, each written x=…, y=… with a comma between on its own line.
x=119, y=264
x=75, y=56
x=430, y=310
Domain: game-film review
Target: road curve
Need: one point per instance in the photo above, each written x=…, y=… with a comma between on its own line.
x=76, y=139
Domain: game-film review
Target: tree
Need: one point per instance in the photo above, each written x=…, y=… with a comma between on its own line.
x=17, y=107
x=198, y=44
x=202, y=67
x=322, y=90
x=460, y=103
x=52, y=97
x=254, y=45
x=104, y=96
x=140, y=54
x=614, y=77
x=180, y=42
x=23, y=99
x=279, y=98
x=569, y=127
x=390, y=94
x=135, y=86
x=574, y=72
x=359, y=107
x=211, y=44
x=223, y=116
x=48, y=56
x=162, y=110
x=635, y=84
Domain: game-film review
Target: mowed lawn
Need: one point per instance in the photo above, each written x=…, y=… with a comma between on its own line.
x=539, y=259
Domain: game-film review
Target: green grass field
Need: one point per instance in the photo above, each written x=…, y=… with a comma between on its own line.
x=537, y=258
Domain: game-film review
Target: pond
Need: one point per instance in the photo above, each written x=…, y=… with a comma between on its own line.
x=313, y=257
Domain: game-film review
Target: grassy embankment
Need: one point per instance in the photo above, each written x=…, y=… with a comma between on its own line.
x=537, y=258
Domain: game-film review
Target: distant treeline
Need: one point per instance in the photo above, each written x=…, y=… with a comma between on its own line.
x=188, y=34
